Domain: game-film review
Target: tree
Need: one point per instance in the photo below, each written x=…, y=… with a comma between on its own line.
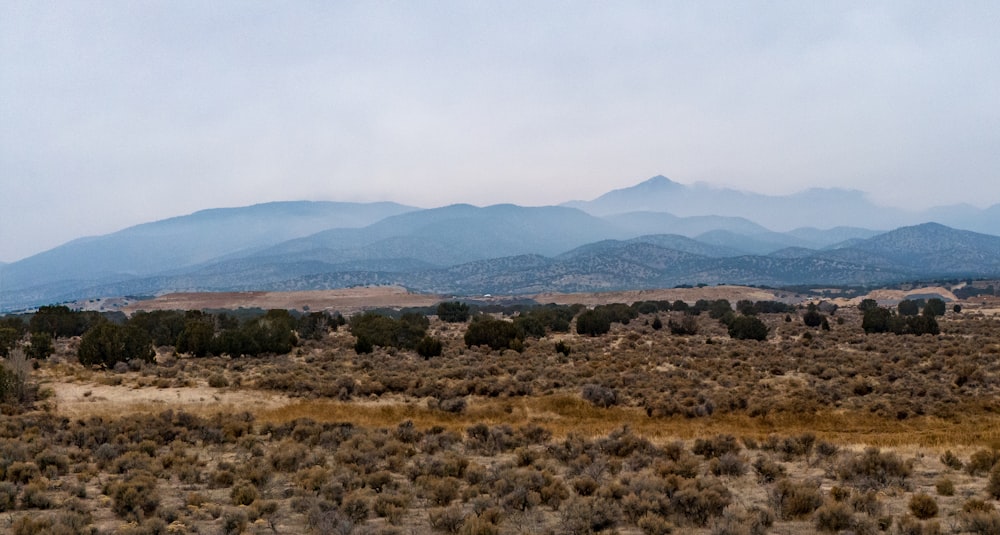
x=453, y=312
x=197, y=336
x=593, y=323
x=908, y=308
x=107, y=344
x=877, y=320
x=40, y=346
x=429, y=347
x=867, y=304
x=8, y=340
x=688, y=326
x=61, y=322
x=747, y=328
x=492, y=332
x=529, y=326
x=813, y=317
x=934, y=307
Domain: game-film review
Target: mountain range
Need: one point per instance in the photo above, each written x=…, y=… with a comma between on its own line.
x=656, y=234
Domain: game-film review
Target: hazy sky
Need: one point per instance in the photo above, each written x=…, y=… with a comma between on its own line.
x=117, y=113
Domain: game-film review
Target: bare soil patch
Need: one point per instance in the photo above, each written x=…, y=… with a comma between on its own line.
x=346, y=301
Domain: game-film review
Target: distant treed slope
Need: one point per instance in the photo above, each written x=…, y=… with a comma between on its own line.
x=456, y=234
x=904, y=254
x=188, y=240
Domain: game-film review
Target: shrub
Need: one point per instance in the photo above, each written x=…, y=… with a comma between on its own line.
x=981, y=523
x=923, y=506
x=907, y=525
x=688, y=326
x=234, y=521
x=654, y=524
x=446, y=519
x=793, y=499
x=582, y=515
x=982, y=461
x=767, y=470
x=993, y=484
x=729, y=464
x=563, y=347
x=951, y=460
x=135, y=496
x=945, y=487
x=833, y=517
x=716, y=446
x=874, y=469
x=701, y=499
x=34, y=497
x=600, y=396
x=243, y=493
x=217, y=380
x=8, y=496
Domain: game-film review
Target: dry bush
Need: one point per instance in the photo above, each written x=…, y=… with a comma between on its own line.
x=446, y=519
x=993, y=484
x=923, y=506
x=982, y=461
x=907, y=525
x=833, y=517
x=874, y=469
x=945, y=487
x=134, y=497
x=792, y=500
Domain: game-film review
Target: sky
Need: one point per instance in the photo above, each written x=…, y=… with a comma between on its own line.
x=118, y=113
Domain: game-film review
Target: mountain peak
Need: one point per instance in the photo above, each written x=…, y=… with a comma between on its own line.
x=657, y=182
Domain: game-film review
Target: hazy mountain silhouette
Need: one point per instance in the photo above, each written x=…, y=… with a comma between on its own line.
x=513, y=249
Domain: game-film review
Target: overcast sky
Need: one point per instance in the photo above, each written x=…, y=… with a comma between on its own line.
x=117, y=113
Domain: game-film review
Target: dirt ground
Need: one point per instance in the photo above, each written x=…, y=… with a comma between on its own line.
x=346, y=301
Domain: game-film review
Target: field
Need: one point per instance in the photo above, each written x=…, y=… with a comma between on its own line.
x=635, y=431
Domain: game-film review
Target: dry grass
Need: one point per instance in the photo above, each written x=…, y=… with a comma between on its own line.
x=563, y=414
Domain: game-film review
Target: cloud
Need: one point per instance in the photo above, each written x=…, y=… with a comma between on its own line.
x=116, y=113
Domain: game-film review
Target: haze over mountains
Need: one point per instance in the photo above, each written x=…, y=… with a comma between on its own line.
x=656, y=234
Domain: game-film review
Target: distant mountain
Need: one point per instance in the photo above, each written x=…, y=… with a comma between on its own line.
x=513, y=249
x=819, y=238
x=835, y=207
x=456, y=234
x=930, y=249
x=187, y=240
x=665, y=223
x=660, y=194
